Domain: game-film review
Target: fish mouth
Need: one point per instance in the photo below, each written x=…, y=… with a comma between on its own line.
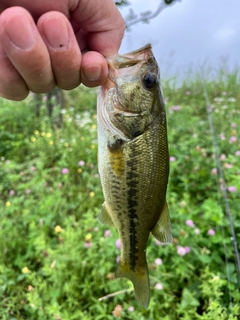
x=130, y=59
x=121, y=68
x=119, y=109
x=123, y=63
x=128, y=63
x=125, y=113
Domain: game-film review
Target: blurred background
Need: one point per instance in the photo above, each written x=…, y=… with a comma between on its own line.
x=56, y=261
x=187, y=33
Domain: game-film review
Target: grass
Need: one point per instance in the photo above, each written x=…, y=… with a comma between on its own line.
x=56, y=260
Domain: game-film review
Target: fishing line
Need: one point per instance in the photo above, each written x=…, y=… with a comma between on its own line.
x=222, y=187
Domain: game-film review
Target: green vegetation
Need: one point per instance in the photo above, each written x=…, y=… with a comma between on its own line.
x=56, y=260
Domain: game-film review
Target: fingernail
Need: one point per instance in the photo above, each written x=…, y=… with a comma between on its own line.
x=93, y=73
x=56, y=33
x=19, y=32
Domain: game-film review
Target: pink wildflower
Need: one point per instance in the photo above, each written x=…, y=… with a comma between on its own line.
x=181, y=250
x=232, y=189
x=214, y=171
x=211, y=232
x=172, y=159
x=233, y=125
x=81, y=163
x=65, y=171
x=107, y=233
x=237, y=153
x=118, y=244
x=222, y=136
x=175, y=108
x=158, y=286
x=131, y=309
x=158, y=261
x=28, y=191
x=233, y=139
x=190, y=223
x=11, y=192
x=222, y=157
x=87, y=244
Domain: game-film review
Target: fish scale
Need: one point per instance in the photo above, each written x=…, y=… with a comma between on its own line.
x=134, y=162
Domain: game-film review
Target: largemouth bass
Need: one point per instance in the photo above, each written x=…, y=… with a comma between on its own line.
x=134, y=161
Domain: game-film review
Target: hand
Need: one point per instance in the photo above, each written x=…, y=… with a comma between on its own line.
x=61, y=43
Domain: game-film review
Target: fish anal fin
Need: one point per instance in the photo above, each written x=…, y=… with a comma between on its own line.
x=139, y=278
x=104, y=216
x=162, y=230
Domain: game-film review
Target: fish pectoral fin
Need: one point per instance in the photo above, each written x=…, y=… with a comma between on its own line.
x=162, y=230
x=104, y=217
x=139, y=278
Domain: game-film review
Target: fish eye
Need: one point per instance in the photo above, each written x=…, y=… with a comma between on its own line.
x=149, y=81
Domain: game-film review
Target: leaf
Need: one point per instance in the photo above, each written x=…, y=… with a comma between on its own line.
x=188, y=300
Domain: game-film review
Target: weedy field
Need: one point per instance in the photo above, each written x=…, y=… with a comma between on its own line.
x=57, y=262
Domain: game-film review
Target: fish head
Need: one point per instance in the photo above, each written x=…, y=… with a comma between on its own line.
x=132, y=92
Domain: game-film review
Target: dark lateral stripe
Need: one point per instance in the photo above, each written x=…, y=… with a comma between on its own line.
x=132, y=189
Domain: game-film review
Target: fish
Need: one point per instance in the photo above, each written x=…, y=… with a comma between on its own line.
x=133, y=161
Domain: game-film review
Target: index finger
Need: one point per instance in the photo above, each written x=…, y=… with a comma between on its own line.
x=103, y=23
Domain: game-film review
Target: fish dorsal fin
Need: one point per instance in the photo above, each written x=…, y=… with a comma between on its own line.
x=104, y=217
x=162, y=230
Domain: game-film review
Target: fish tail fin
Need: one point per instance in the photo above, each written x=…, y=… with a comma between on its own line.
x=140, y=280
